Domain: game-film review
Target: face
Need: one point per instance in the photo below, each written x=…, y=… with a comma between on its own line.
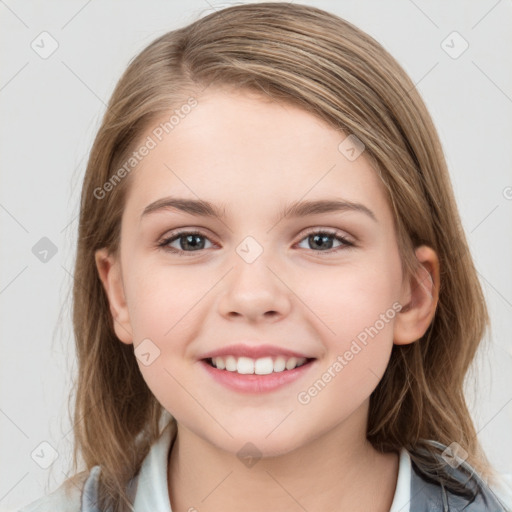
x=325, y=285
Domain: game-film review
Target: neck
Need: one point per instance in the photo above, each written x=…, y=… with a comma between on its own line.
x=339, y=470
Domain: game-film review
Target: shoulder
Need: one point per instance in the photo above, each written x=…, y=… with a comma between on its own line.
x=66, y=498
x=456, y=486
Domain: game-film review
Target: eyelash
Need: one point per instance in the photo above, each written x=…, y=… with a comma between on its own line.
x=164, y=244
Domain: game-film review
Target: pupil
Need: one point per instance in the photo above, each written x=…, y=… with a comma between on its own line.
x=191, y=241
x=323, y=238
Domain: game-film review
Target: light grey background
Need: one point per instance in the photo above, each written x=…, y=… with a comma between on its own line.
x=51, y=108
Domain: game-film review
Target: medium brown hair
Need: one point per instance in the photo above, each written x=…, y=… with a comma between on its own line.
x=315, y=60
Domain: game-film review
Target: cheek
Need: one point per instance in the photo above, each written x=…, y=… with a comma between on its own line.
x=348, y=299
x=357, y=354
x=355, y=308
x=162, y=301
x=164, y=308
x=162, y=311
x=173, y=387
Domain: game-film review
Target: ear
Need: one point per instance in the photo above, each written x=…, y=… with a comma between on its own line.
x=109, y=270
x=420, y=297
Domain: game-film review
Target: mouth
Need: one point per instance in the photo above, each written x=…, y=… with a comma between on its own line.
x=256, y=376
x=261, y=366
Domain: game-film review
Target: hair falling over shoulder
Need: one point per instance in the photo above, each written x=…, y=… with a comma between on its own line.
x=320, y=62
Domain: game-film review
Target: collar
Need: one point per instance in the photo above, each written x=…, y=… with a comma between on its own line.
x=402, y=498
x=152, y=491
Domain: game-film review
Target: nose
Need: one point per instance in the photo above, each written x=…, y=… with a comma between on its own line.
x=255, y=292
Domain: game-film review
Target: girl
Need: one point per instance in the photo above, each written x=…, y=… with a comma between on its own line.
x=274, y=302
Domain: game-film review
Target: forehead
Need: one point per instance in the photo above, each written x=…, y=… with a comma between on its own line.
x=249, y=154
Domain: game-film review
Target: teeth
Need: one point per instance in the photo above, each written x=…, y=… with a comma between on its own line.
x=230, y=364
x=291, y=363
x=261, y=366
x=279, y=364
x=245, y=365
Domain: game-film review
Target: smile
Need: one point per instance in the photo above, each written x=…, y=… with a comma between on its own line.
x=246, y=375
x=260, y=366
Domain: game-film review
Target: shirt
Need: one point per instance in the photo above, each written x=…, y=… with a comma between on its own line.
x=151, y=493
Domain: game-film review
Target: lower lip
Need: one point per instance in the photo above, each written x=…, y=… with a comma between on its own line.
x=253, y=383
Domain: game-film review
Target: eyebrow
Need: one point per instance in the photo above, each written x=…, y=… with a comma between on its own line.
x=201, y=208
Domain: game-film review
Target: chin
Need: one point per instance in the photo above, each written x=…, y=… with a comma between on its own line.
x=254, y=444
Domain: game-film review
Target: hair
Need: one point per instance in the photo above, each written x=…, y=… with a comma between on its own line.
x=313, y=59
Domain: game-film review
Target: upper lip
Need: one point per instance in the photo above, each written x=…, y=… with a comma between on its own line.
x=253, y=351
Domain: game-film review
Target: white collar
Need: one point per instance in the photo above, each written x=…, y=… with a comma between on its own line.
x=402, y=498
x=152, y=490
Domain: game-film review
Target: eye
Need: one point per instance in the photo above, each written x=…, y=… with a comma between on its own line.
x=323, y=239
x=186, y=240
x=194, y=241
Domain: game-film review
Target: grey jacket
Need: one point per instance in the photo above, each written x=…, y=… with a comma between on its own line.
x=429, y=494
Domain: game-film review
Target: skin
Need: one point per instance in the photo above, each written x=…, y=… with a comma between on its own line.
x=251, y=156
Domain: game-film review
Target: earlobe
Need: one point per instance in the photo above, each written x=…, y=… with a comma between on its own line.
x=420, y=299
x=109, y=270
